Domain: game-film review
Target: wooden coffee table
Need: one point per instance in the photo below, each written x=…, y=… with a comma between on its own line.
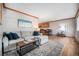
x=23, y=47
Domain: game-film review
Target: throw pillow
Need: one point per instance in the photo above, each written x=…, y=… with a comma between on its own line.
x=14, y=35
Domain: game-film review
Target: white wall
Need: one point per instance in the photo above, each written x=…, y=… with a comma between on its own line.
x=77, y=29
x=69, y=27
x=0, y=43
x=1, y=28
x=10, y=21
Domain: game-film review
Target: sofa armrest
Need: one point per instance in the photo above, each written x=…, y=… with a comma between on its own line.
x=44, y=39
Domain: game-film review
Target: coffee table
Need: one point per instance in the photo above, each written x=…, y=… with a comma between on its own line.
x=23, y=47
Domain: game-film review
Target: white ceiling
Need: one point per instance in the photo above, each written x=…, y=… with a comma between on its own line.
x=47, y=11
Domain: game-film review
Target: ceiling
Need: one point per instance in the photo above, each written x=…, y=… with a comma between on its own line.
x=47, y=11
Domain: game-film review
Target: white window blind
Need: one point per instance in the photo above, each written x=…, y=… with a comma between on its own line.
x=24, y=23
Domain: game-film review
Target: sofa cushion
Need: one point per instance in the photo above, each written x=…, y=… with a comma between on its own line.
x=15, y=41
x=9, y=36
x=28, y=38
x=14, y=35
x=36, y=33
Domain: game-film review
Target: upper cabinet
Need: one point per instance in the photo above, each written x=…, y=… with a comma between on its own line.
x=44, y=25
x=1, y=13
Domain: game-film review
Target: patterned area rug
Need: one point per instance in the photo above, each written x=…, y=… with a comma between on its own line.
x=52, y=48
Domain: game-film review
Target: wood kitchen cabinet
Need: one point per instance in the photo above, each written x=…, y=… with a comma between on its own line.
x=44, y=25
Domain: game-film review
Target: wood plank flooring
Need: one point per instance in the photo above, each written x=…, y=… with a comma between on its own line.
x=71, y=47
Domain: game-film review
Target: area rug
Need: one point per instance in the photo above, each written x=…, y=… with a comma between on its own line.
x=52, y=48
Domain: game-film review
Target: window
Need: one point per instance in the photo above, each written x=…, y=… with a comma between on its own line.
x=24, y=23
x=77, y=24
x=62, y=27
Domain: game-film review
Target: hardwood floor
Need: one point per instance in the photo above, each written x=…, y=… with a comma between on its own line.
x=71, y=47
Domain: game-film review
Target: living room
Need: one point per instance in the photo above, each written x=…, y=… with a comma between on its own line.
x=39, y=29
